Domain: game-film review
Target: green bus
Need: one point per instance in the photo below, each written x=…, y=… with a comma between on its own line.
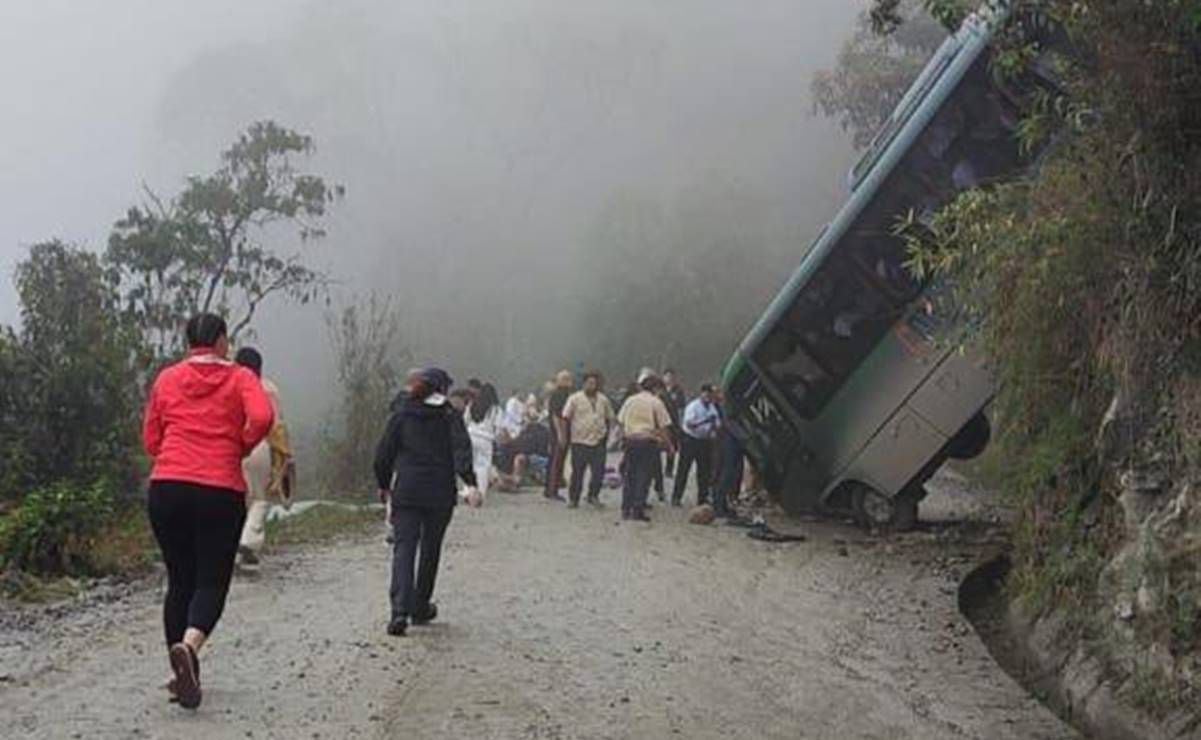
x=841, y=393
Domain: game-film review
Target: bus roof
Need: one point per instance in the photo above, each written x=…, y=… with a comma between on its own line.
x=917, y=107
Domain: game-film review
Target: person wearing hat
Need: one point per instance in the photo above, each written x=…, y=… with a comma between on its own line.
x=645, y=424
x=424, y=448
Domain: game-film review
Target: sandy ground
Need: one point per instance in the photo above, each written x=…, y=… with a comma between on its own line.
x=554, y=624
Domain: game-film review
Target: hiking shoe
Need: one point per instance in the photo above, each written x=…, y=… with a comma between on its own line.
x=172, y=684
x=397, y=626
x=186, y=684
x=595, y=501
x=427, y=615
x=573, y=504
x=639, y=516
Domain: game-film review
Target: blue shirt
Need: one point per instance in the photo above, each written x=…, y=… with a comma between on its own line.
x=701, y=420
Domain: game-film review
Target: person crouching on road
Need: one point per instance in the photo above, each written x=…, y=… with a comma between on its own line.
x=268, y=469
x=644, y=424
x=203, y=416
x=424, y=447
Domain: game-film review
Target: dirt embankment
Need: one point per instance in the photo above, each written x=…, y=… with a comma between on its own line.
x=555, y=624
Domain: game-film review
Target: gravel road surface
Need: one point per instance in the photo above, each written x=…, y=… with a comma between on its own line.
x=554, y=624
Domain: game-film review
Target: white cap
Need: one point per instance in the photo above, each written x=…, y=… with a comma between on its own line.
x=646, y=374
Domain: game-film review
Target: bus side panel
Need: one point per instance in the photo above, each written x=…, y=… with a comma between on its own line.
x=894, y=456
x=954, y=393
x=871, y=395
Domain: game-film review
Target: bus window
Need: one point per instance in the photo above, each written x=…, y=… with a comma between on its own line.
x=853, y=319
x=788, y=364
x=835, y=322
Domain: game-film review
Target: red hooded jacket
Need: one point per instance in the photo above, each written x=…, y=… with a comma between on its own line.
x=204, y=415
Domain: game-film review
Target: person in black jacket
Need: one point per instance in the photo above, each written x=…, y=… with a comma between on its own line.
x=424, y=447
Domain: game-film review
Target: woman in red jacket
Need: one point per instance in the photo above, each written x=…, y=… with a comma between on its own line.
x=204, y=415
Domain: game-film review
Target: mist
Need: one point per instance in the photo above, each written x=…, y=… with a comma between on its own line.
x=534, y=184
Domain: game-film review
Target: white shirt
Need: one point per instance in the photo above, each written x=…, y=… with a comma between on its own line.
x=486, y=429
x=514, y=419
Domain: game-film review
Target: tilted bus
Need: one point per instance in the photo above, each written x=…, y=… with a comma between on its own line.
x=841, y=392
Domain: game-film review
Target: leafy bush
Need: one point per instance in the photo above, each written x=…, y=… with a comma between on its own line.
x=69, y=397
x=55, y=529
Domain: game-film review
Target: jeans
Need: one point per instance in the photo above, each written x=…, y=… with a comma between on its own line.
x=592, y=459
x=197, y=528
x=416, y=527
x=699, y=451
x=641, y=458
x=730, y=482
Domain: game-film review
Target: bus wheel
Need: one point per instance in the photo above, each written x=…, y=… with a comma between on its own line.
x=876, y=511
x=971, y=440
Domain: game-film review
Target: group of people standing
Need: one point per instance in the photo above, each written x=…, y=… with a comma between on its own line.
x=214, y=431
x=655, y=420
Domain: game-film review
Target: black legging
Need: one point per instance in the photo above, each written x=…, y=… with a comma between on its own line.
x=414, y=527
x=197, y=528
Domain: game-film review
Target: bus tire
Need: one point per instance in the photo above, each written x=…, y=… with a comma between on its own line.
x=971, y=440
x=878, y=512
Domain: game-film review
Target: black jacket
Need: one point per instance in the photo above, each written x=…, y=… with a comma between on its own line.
x=422, y=450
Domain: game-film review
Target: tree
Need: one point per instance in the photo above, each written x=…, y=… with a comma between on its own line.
x=366, y=339
x=69, y=400
x=209, y=248
x=874, y=69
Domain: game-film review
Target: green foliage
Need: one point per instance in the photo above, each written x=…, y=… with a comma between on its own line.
x=55, y=528
x=208, y=248
x=69, y=400
x=366, y=339
x=1083, y=286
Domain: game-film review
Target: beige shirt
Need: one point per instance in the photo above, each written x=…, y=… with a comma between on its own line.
x=643, y=416
x=589, y=418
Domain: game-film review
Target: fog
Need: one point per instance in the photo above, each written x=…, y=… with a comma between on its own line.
x=535, y=183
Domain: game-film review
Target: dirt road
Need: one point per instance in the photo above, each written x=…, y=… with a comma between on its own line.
x=555, y=624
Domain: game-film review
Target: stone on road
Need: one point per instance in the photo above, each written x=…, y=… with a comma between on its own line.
x=554, y=623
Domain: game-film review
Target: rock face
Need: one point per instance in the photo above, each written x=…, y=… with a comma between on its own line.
x=702, y=514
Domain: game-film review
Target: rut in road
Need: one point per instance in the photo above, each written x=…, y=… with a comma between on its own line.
x=554, y=624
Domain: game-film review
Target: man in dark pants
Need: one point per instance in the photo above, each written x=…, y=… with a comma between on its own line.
x=729, y=483
x=424, y=447
x=697, y=434
x=675, y=398
x=589, y=415
x=644, y=424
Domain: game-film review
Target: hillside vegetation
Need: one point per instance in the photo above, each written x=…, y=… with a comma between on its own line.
x=1085, y=286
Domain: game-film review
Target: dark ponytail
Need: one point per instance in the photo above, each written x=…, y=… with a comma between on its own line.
x=205, y=330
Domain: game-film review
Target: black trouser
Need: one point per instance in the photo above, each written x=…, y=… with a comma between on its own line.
x=730, y=481
x=699, y=451
x=556, y=452
x=414, y=526
x=198, y=529
x=657, y=474
x=641, y=459
x=672, y=459
x=592, y=459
